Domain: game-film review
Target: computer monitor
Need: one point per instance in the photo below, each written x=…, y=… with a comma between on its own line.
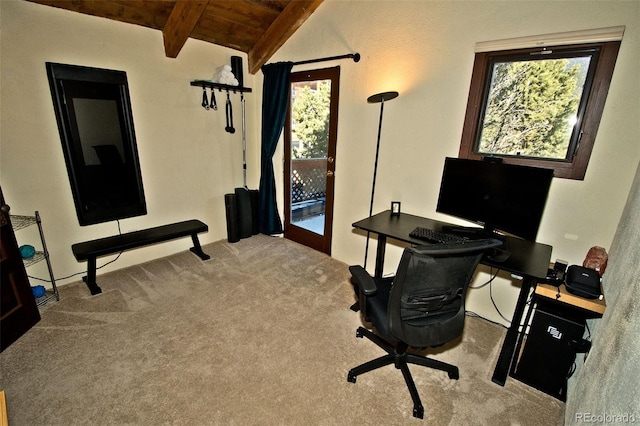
x=502, y=197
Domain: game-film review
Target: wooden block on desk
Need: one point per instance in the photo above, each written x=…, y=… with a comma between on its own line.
x=561, y=294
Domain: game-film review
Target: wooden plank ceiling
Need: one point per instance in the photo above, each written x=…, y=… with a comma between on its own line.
x=256, y=27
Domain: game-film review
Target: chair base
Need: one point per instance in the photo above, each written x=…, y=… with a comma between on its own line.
x=398, y=356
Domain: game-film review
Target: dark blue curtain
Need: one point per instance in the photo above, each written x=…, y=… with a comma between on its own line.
x=275, y=101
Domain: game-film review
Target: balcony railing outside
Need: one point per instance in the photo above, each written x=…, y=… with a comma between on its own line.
x=308, y=193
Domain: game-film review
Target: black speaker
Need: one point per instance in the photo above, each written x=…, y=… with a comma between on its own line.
x=550, y=349
x=236, y=69
x=233, y=234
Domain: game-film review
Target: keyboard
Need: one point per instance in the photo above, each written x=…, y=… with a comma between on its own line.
x=431, y=236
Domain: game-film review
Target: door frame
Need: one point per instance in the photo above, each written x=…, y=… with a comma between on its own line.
x=19, y=309
x=303, y=236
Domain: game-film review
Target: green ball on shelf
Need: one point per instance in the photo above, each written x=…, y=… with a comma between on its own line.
x=27, y=251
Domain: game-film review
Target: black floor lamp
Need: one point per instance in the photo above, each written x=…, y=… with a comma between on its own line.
x=379, y=98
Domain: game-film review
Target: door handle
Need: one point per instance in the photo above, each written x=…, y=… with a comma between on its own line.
x=329, y=172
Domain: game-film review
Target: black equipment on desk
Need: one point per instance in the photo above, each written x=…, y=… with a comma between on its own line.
x=437, y=237
x=432, y=236
x=583, y=282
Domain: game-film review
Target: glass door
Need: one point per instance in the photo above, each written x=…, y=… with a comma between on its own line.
x=310, y=138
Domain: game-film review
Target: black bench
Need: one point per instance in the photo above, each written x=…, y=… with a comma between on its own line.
x=91, y=250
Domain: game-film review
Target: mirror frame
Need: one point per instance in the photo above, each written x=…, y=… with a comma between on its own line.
x=103, y=190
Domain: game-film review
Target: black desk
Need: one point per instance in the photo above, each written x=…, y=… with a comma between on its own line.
x=528, y=260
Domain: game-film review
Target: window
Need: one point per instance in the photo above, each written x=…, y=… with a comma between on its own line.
x=539, y=106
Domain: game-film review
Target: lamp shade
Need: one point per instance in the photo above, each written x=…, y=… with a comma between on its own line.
x=380, y=97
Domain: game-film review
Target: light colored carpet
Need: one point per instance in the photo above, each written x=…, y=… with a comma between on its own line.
x=261, y=334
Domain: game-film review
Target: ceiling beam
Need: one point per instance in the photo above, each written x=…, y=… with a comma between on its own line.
x=291, y=18
x=182, y=20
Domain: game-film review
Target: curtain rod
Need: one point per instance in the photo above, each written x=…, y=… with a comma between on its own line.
x=355, y=56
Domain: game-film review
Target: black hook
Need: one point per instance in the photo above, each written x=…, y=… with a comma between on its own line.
x=205, y=101
x=213, y=104
x=229, y=112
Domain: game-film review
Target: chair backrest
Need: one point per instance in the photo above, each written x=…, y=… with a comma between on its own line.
x=426, y=303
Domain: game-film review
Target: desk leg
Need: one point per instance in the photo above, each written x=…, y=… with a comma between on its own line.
x=509, y=345
x=382, y=244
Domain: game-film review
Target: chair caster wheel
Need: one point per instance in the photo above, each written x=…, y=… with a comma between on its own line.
x=454, y=375
x=351, y=378
x=359, y=333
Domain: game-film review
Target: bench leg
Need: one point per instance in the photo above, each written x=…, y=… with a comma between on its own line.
x=90, y=279
x=197, y=249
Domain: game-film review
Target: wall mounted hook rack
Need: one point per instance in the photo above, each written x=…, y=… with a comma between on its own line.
x=212, y=85
x=229, y=128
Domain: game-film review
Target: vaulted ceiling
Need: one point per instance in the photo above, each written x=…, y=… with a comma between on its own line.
x=256, y=27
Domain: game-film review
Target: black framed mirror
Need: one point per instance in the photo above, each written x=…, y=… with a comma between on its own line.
x=93, y=111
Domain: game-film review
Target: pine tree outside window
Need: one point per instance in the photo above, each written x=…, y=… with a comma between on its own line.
x=539, y=106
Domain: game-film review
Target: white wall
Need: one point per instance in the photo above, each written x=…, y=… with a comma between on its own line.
x=188, y=161
x=422, y=49
x=425, y=51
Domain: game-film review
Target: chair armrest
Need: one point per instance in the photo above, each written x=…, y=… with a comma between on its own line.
x=365, y=282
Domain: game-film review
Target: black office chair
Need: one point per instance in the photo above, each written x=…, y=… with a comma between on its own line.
x=422, y=306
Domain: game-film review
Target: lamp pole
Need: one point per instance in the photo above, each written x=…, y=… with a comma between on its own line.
x=374, y=99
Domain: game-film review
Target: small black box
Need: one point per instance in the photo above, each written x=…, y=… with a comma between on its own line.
x=583, y=282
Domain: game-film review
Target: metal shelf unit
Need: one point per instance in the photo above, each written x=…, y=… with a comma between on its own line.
x=20, y=222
